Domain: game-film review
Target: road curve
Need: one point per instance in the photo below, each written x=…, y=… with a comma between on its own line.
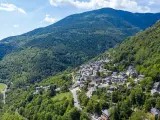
x=76, y=103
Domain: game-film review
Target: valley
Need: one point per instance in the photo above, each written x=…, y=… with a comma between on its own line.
x=70, y=42
x=97, y=65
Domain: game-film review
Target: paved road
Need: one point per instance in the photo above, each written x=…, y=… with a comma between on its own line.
x=89, y=93
x=76, y=103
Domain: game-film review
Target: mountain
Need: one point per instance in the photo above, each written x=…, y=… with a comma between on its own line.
x=71, y=41
x=134, y=73
x=142, y=51
x=129, y=99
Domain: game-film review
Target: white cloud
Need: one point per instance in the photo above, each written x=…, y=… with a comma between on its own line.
x=49, y=19
x=154, y=2
x=13, y=33
x=10, y=7
x=151, y=3
x=16, y=26
x=129, y=5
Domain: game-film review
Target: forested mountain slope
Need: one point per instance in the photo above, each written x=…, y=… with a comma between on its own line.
x=142, y=51
x=138, y=96
x=46, y=51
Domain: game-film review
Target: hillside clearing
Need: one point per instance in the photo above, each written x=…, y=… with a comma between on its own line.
x=61, y=96
x=2, y=86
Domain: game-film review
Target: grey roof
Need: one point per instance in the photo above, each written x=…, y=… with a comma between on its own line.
x=105, y=112
x=155, y=111
x=98, y=80
x=58, y=89
x=156, y=85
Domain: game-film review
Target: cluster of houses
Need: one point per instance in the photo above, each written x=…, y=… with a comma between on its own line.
x=156, y=113
x=156, y=88
x=106, y=114
x=44, y=88
x=90, y=72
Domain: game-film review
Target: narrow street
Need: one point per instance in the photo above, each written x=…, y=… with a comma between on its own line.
x=75, y=97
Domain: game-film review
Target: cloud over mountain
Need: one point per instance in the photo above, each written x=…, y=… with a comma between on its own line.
x=129, y=5
x=49, y=19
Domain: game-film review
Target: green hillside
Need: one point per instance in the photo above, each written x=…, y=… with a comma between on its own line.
x=71, y=41
x=133, y=102
x=142, y=50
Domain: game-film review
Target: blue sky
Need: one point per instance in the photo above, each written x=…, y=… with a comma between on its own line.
x=20, y=16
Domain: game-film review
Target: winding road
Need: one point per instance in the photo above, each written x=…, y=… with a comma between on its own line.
x=75, y=97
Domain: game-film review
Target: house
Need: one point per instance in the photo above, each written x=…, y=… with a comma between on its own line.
x=114, y=75
x=113, y=88
x=122, y=73
x=102, y=86
x=120, y=84
x=81, y=85
x=156, y=113
x=140, y=77
x=38, y=88
x=115, y=80
x=46, y=88
x=131, y=72
x=107, y=80
x=156, y=88
x=88, y=73
x=92, y=77
x=95, y=72
x=105, y=115
x=129, y=85
x=35, y=93
x=58, y=89
x=92, y=84
x=75, y=85
x=98, y=80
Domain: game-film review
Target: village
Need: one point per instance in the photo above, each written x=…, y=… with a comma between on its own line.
x=92, y=73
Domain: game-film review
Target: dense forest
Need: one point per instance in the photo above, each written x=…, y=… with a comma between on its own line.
x=142, y=51
x=44, y=52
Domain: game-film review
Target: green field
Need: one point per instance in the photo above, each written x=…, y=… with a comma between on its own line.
x=61, y=96
x=2, y=87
